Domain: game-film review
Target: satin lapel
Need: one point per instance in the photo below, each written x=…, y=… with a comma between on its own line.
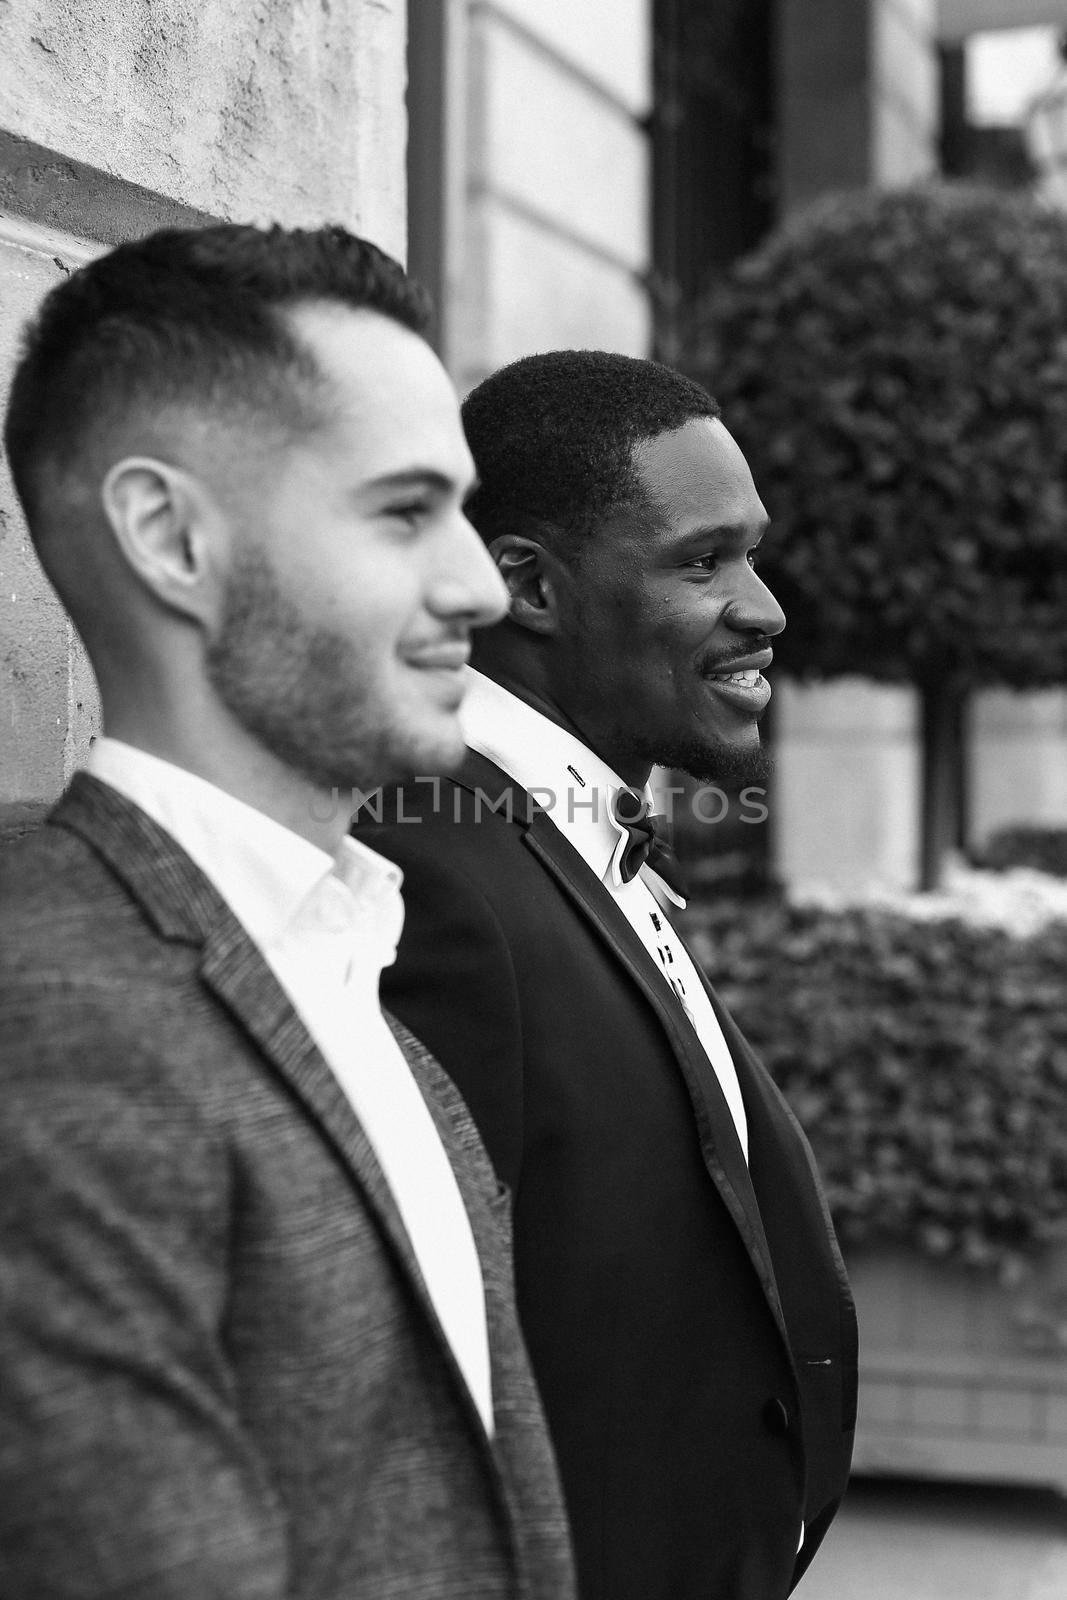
x=752, y=1082
x=763, y=1098
x=722, y=1150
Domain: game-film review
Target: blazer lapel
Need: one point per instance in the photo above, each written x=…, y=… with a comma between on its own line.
x=235, y=971
x=487, y=1201
x=183, y=905
x=233, y=968
x=723, y=1155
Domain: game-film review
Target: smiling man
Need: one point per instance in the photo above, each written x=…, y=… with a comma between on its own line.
x=680, y=1288
x=258, y=1336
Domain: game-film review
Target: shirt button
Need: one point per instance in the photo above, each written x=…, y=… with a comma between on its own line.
x=776, y=1417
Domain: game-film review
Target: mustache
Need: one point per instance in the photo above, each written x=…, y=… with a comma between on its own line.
x=711, y=663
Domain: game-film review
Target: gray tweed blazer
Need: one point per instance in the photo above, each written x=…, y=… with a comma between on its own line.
x=221, y=1376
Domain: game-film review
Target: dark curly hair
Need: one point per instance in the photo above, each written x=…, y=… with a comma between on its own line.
x=189, y=318
x=553, y=437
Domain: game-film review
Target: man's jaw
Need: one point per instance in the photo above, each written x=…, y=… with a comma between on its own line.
x=731, y=766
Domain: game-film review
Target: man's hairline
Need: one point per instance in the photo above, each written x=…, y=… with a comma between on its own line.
x=237, y=413
x=641, y=502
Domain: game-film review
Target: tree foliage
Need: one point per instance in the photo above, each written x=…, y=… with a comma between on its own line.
x=895, y=367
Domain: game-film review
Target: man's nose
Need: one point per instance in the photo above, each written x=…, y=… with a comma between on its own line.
x=755, y=610
x=468, y=584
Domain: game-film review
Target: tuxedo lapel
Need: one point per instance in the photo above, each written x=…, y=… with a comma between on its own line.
x=718, y=1134
x=183, y=905
x=723, y=1155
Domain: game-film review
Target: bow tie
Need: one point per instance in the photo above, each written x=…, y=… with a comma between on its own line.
x=648, y=841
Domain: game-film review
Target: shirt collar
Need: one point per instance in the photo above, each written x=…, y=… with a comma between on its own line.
x=264, y=871
x=565, y=778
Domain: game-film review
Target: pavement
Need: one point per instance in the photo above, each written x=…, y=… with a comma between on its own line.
x=896, y=1539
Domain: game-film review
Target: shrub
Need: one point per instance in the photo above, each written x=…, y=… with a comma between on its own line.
x=926, y=1059
x=895, y=366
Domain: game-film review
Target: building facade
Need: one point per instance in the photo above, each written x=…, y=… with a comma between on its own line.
x=561, y=173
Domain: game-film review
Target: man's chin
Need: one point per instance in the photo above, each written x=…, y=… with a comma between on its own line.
x=432, y=752
x=733, y=766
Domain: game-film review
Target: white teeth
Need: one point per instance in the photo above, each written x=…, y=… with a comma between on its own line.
x=749, y=678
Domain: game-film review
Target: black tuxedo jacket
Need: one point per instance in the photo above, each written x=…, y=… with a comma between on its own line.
x=688, y=1318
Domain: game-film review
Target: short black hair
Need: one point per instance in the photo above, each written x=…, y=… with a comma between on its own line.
x=553, y=436
x=188, y=317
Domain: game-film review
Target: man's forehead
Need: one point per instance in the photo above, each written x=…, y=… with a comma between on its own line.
x=698, y=468
x=361, y=348
x=387, y=391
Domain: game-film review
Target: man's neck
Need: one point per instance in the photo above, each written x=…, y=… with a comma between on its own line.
x=634, y=774
x=242, y=768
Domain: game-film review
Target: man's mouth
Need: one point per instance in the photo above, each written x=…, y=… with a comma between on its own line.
x=749, y=677
x=451, y=654
x=745, y=670
x=741, y=682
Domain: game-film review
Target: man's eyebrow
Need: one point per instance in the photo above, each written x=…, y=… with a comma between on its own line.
x=725, y=530
x=418, y=478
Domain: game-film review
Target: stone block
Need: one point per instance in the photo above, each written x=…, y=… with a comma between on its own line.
x=609, y=40
x=531, y=289
x=903, y=63
x=845, y=805
x=48, y=702
x=902, y=150
x=1018, y=760
x=284, y=110
x=552, y=145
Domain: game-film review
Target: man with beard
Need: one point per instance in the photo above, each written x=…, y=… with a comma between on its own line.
x=258, y=1335
x=680, y=1287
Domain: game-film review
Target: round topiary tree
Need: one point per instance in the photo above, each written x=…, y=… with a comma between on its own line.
x=895, y=366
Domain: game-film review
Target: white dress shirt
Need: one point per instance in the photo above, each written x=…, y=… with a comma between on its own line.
x=576, y=789
x=327, y=926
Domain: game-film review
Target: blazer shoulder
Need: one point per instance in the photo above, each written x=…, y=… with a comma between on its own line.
x=54, y=892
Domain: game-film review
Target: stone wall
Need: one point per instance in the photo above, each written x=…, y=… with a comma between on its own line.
x=115, y=120
x=556, y=215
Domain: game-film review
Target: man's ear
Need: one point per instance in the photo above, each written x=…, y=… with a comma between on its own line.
x=531, y=573
x=163, y=519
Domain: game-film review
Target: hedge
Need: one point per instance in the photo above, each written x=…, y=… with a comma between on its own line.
x=927, y=1061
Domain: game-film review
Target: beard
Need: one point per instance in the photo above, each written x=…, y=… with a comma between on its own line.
x=728, y=765
x=307, y=694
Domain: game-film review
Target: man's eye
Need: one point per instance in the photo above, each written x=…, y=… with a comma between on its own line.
x=410, y=512
x=705, y=563
x=753, y=558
